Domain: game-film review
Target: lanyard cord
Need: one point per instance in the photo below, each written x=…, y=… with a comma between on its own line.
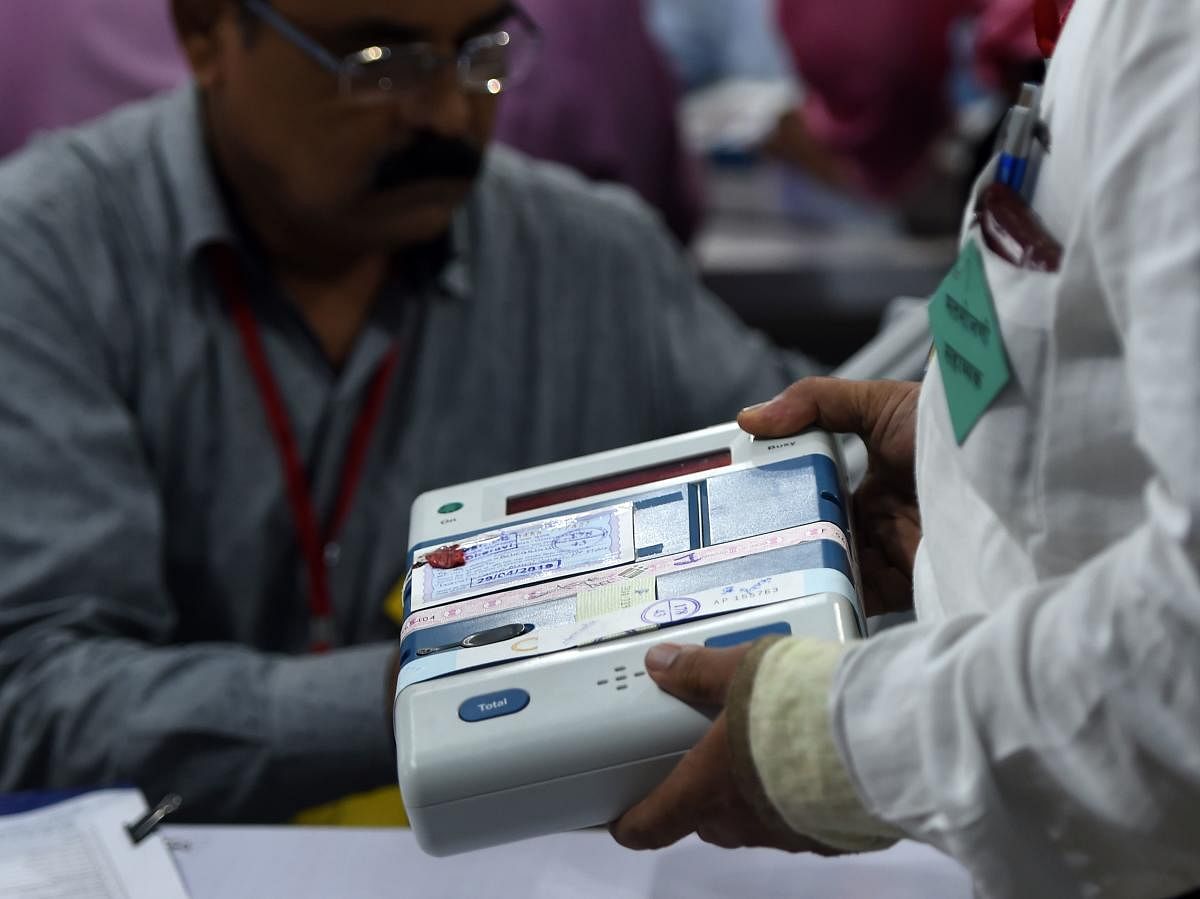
x=316, y=545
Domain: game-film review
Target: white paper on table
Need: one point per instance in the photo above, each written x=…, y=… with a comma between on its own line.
x=80, y=848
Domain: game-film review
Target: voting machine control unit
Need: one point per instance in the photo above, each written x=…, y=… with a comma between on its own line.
x=523, y=706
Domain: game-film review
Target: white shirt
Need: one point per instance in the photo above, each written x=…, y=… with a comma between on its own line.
x=1041, y=722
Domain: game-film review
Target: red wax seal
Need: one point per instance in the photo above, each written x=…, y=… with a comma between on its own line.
x=447, y=557
x=1049, y=16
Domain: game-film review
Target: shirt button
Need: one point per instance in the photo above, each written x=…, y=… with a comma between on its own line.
x=333, y=554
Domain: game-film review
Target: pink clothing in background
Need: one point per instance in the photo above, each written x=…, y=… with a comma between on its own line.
x=65, y=61
x=1005, y=38
x=876, y=73
x=603, y=101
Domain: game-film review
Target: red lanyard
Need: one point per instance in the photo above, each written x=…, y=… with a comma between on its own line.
x=1049, y=16
x=318, y=546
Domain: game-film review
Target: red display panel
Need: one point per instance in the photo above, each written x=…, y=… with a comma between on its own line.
x=620, y=481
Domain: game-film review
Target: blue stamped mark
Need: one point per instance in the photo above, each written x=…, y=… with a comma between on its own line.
x=582, y=538
x=669, y=611
x=747, y=590
x=529, y=553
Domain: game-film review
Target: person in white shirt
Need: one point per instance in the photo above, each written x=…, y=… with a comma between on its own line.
x=1040, y=721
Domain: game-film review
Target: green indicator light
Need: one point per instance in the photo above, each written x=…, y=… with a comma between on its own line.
x=449, y=508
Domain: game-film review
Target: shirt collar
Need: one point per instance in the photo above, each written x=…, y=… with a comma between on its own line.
x=201, y=213
x=204, y=218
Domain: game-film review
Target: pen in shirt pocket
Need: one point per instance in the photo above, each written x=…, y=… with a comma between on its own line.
x=1017, y=138
x=1010, y=227
x=1008, y=224
x=1013, y=161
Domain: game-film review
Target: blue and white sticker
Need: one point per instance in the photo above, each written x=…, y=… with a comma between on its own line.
x=550, y=548
x=624, y=621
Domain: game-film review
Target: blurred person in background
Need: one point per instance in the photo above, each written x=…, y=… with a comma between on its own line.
x=66, y=61
x=603, y=100
x=709, y=41
x=742, y=94
x=243, y=325
x=856, y=94
x=877, y=75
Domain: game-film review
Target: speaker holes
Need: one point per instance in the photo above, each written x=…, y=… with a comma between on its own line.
x=619, y=678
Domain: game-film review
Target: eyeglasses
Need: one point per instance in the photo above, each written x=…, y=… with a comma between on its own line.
x=487, y=64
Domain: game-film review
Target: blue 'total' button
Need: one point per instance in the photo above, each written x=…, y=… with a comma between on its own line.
x=493, y=705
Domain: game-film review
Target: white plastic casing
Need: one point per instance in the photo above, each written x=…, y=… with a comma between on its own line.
x=597, y=734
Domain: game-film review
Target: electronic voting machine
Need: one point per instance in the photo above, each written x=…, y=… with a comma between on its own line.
x=522, y=706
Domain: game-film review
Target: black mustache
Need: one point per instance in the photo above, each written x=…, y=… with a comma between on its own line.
x=428, y=156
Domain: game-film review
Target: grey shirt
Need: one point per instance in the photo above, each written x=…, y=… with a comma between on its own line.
x=153, y=605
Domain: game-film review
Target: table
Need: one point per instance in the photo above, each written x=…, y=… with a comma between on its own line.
x=317, y=863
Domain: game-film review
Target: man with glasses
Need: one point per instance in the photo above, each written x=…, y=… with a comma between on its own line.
x=241, y=327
